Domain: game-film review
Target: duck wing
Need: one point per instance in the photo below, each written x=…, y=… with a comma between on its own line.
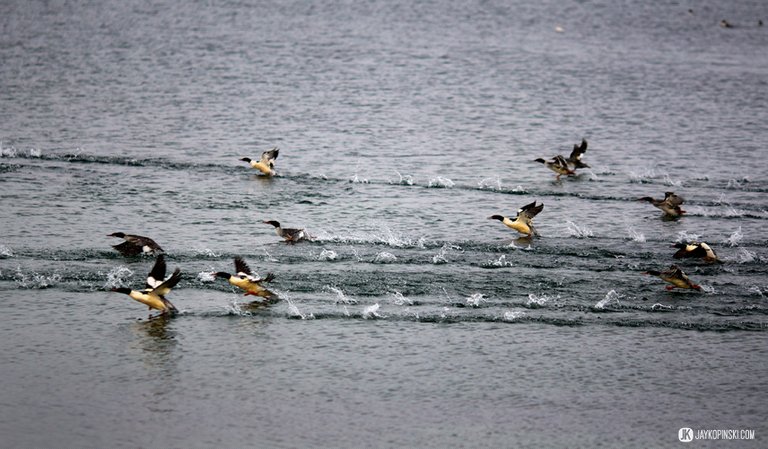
x=578, y=151
x=241, y=267
x=128, y=248
x=157, y=275
x=529, y=211
x=165, y=288
x=270, y=155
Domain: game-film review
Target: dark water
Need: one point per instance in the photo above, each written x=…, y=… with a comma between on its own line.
x=412, y=320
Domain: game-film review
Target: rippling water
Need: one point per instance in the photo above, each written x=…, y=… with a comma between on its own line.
x=411, y=319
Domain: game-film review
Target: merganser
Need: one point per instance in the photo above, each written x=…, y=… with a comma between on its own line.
x=698, y=250
x=670, y=205
x=675, y=276
x=266, y=164
x=523, y=222
x=156, y=289
x=558, y=164
x=290, y=235
x=574, y=160
x=135, y=244
x=244, y=279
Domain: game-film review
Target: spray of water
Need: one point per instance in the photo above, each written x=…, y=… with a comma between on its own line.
x=610, y=297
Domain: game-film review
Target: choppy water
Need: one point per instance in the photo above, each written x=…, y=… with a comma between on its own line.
x=411, y=319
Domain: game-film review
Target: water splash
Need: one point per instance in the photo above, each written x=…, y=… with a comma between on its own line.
x=207, y=252
x=341, y=298
x=683, y=236
x=737, y=184
x=36, y=280
x=441, y=182
x=610, y=297
x=327, y=255
x=384, y=257
x=659, y=306
x=535, y=300
x=745, y=256
x=643, y=176
x=405, y=180
x=735, y=238
x=234, y=308
x=117, y=277
x=206, y=276
x=372, y=312
x=475, y=299
x=500, y=262
x=441, y=256
x=490, y=184
x=519, y=189
x=635, y=236
x=710, y=289
x=670, y=182
x=513, y=315
x=400, y=300
x=357, y=180
x=5, y=252
x=294, y=312
x=577, y=231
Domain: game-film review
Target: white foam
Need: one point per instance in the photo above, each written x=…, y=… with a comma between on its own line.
x=328, y=254
x=340, y=296
x=683, y=236
x=294, y=312
x=441, y=182
x=441, y=256
x=372, y=312
x=708, y=289
x=5, y=251
x=745, y=256
x=610, y=297
x=117, y=277
x=735, y=238
x=357, y=180
x=500, y=262
x=635, y=236
x=577, y=231
x=206, y=276
x=200, y=251
x=490, y=184
x=475, y=299
x=406, y=180
x=384, y=257
x=513, y=315
x=401, y=300
x=519, y=189
x=670, y=182
x=535, y=300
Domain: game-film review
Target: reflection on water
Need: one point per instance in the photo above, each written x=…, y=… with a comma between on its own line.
x=156, y=345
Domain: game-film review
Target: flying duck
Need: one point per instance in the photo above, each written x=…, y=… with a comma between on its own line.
x=523, y=222
x=156, y=289
x=135, y=244
x=558, y=164
x=244, y=279
x=266, y=164
x=574, y=160
x=670, y=205
x=675, y=276
x=699, y=250
x=290, y=235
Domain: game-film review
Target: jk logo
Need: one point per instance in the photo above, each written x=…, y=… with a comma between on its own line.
x=685, y=434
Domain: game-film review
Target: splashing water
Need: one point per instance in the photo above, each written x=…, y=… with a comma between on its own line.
x=406, y=180
x=5, y=251
x=36, y=280
x=117, y=277
x=268, y=257
x=500, y=262
x=207, y=252
x=384, y=257
x=356, y=180
x=683, y=236
x=490, y=184
x=670, y=182
x=708, y=289
x=659, y=306
x=540, y=300
x=735, y=238
x=475, y=299
x=441, y=182
x=642, y=177
x=519, y=189
x=206, y=276
x=440, y=257
x=234, y=308
x=327, y=254
x=610, y=297
x=400, y=299
x=294, y=312
x=372, y=312
x=578, y=232
x=745, y=256
x=635, y=236
x=341, y=298
x=513, y=315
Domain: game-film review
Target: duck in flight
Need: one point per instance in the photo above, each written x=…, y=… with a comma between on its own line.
x=670, y=205
x=557, y=164
x=153, y=295
x=135, y=244
x=245, y=280
x=523, y=221
x=574, y=160
x=675, y=276
x=290, y=235
x=697, y=250
x=266, y=164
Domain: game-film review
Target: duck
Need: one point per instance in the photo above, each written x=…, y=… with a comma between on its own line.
x=675, y=276
x=523, y=222
x=574, y=160
x=289, y=234
x=699, y=250
x=725, y=24
x=266, y=164
x=136, y=244
x=153, y=295
x=558, y=164
x=245, y=280
x=670, y=205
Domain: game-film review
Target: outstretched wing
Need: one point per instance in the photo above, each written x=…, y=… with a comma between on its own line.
x=270, y=155
x=241, y=266
x=578, y=150
x=164, y=288
x=673, y=199
x=157, y=275
x=128, y=248
x=530, y=210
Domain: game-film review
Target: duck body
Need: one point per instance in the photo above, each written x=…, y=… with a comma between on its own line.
x=698, y=250
x=153, y=296
x=523, y=221
x=670, y=204
x=290, y=235
x=246, y=281
x=136, y=244
x=266, y=164
x=675, y=276
x=558, y=164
